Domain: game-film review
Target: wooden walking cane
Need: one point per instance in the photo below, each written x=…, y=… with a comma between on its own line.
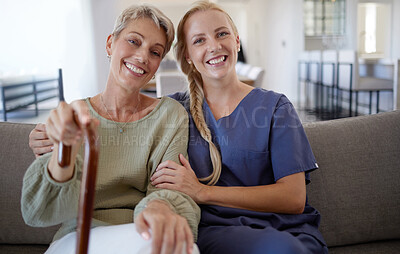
x=86, y=197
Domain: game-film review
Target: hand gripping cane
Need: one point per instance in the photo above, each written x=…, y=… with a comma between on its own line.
x=86, y=197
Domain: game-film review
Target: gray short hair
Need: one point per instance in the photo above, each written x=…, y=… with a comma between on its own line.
x=135, y=12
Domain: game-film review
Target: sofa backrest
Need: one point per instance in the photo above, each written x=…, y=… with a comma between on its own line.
x=16, y=156
x=357, y=186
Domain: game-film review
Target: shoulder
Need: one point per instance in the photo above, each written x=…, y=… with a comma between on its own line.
x=269, y=95
x=269, y=99
x=172, y=109
x=179, y=96
x=172, y=104
x=182, y=98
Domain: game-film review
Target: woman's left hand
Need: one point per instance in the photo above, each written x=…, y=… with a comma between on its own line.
x=172, y=176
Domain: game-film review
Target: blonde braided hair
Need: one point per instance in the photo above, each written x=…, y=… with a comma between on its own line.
x=196, y=87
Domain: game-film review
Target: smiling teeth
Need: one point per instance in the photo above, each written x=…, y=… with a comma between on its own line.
x=134, y=69
x=218, y=60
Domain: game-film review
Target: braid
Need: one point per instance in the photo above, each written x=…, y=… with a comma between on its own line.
x=196, y=86
x=196, y=103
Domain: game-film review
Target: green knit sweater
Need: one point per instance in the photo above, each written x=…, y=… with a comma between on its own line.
x=126, y=161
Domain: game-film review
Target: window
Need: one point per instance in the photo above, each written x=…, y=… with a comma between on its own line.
x=324, y=17
x=374, y=26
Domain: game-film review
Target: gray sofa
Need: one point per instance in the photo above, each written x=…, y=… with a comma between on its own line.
x=356, y=189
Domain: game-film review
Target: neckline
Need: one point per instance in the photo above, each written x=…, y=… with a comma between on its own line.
x=128, y=123
x=233, y=112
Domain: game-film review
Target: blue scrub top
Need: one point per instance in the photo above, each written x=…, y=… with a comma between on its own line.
x=261, y=141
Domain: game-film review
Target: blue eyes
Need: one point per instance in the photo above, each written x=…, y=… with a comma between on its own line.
x=198, y=41
x=222, y=34
x=137, y=43
x=219, y=35
x=133, y=42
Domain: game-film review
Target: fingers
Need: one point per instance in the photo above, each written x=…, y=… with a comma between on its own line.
x=169, y=231
x=142, y=227
x=52, y=126
x=163, y=171
x=65, y=122
x=157, y=236
x=184, y=161
x=82, y=112
x=62, y=126
x=42, y=150
x=180, y=235
x=164, y=179
x=38, y=135
x=40, y=127
x=189, y=239
x=39, y=142
x=168, y=164
x=168, y=240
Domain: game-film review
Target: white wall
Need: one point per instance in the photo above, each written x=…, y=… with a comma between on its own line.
x=104, y=13
x=44, y=35
x=396, y=50
x=396, y=29
x=275, y=31
x=24, y=48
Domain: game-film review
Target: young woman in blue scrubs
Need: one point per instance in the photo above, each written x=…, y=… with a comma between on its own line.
x=247, y=146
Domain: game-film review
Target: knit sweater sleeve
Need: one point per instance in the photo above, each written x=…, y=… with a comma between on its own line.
x=45, y=202
x=181, y=203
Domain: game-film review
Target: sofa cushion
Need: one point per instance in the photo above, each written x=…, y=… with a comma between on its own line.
x=368, y=248
x=23, y=249
x=16, y=156
x=356, y=189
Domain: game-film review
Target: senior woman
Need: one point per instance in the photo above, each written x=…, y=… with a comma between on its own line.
x=136, y=134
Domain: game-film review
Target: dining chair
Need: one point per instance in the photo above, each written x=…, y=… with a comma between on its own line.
x=303, y=78
x=170, y=82
x=350, y=81
x=328, y=82
x=315, y=79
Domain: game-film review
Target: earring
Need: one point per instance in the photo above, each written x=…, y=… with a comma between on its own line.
x=109, y=57
x=238, y=49
x=189, y=62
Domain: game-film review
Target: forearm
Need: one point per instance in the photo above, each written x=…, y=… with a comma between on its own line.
x=60, y=174
x=45, y=202
x=281, y=197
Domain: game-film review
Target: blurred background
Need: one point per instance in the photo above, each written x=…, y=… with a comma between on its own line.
x=41, y=35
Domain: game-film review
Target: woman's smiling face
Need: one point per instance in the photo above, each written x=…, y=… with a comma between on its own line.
x=136, y=53
x=211, y=44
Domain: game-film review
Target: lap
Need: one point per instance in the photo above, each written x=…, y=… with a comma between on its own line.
x=244, y=239
x=108, y=239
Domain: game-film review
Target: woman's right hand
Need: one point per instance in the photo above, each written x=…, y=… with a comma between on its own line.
x=64, y=125
x=169, y=231
x=39, y=142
